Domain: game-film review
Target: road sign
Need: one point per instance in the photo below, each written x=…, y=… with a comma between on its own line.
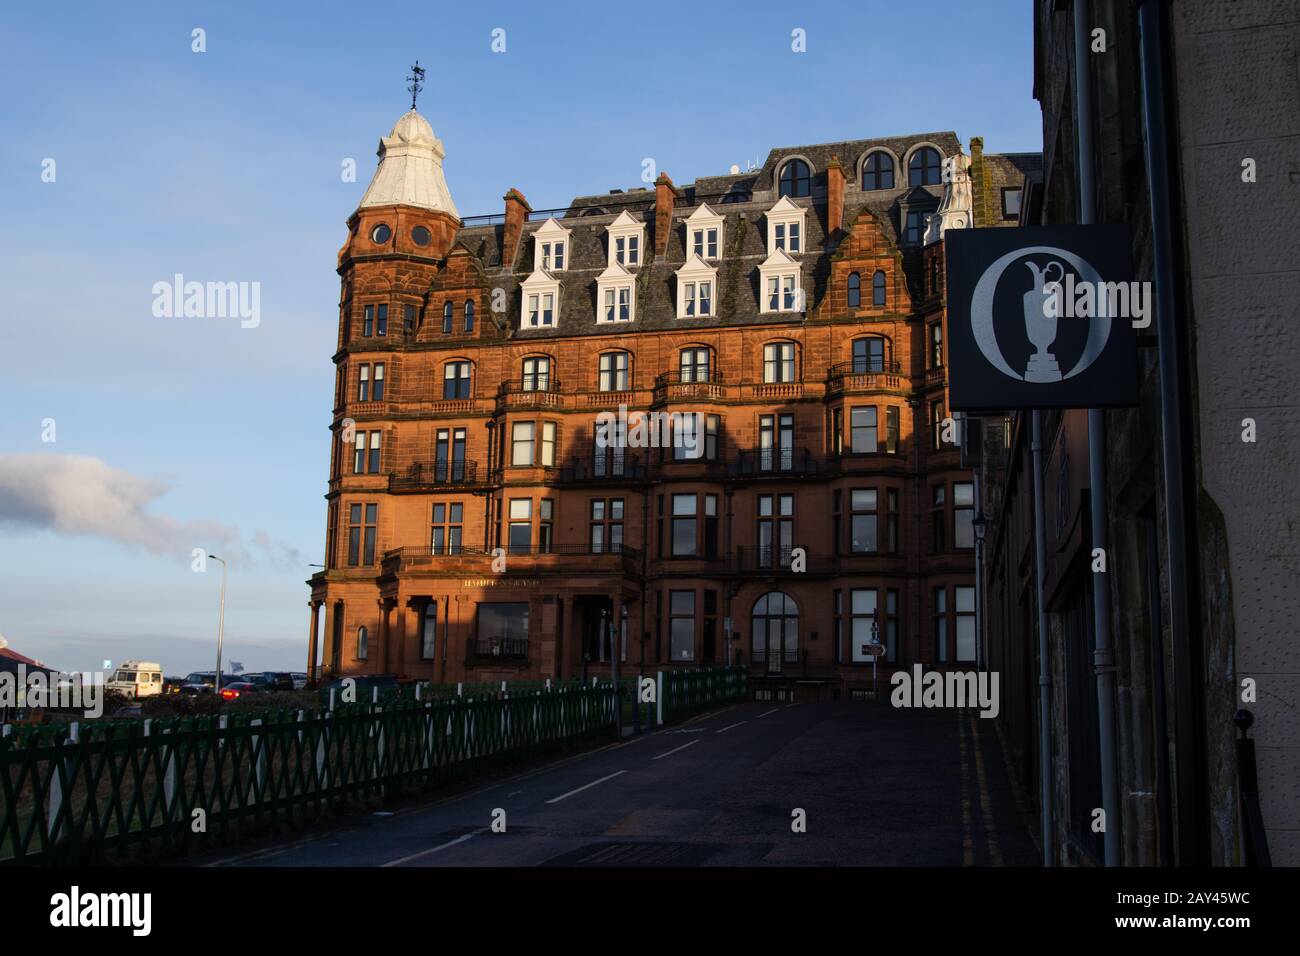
x=1043, y=318
x=876, y=650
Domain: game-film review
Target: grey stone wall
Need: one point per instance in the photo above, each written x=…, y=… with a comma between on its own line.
x=1239, y=98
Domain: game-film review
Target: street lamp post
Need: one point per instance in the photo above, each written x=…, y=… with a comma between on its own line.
x=875, y=658
x=221, y=625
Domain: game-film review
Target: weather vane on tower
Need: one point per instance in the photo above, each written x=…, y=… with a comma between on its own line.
x=416, y=78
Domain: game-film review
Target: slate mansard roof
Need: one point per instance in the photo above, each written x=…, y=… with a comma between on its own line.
x=743, y=200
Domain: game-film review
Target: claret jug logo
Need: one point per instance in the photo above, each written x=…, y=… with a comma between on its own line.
x=1042, y=317
x=1045, y=333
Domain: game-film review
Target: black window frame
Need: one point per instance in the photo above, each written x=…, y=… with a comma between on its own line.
x=795, y=179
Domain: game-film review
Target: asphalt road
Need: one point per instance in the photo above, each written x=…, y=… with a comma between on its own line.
x=878, y=787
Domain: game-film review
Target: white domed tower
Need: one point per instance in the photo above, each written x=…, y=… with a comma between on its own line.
x=407, y=208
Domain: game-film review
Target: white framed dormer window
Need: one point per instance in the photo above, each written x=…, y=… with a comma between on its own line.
x=541, y=302
x=551, y=248
x=785, y=227
x=697, y=289
x=781, y=284
x=626, y=241
x=704, y=234
x=615, y=295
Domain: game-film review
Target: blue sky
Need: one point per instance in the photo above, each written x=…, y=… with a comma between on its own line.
x=225, y=166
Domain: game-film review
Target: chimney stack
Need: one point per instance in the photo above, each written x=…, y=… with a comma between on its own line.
x=980, y=214
x=517, y=210
x=834, y=195
x=665, y=198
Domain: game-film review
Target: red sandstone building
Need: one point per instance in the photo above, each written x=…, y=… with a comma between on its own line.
x=788, y=320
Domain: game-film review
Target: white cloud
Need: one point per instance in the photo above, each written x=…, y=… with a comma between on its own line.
x=82, y=495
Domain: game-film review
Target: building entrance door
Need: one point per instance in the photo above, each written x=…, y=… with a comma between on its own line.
x=775, y=621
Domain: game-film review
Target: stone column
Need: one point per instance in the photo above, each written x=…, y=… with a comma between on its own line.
x=328, y=664
x=383, y=636
x=561, y=622
x=311, y=641
x=399, y=637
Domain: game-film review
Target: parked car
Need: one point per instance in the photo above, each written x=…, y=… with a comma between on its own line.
x=172, y=685
x=136, y=679
x=240, y=688
x=201, y=682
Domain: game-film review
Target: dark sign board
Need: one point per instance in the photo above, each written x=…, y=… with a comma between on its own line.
x=1043, y=318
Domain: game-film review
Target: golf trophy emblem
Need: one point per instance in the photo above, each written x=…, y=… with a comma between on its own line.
x=1039, y=326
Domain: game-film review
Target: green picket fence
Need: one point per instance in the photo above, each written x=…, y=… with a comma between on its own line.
x=425, y=691
x=71, y=793
x=689, y=691
x=139, y=784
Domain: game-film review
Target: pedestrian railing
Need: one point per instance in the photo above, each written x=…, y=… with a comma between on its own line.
x=142, y=784
x=687, y=691
x=73, y=793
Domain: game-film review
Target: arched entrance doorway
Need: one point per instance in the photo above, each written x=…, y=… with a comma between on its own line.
x=774, y=623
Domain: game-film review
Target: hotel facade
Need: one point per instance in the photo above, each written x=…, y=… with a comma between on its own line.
x=686, y=425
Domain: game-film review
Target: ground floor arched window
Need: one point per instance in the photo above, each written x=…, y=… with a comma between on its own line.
x=774, y=623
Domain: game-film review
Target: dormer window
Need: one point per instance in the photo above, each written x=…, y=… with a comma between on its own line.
x=787, y=236
x=699, y=298
x=704, y=233
x=785, y=227
x=615, y=295
x=780, y=278
x=618, y=304
x=781, y=292
x=551, y=247
x=923, y=167
x=697, y=285
x=553, y=255
x=627, y=250
x=541, y=309
x=704, y=243
x=796, y=179
x=540, y=301
x=626, y=239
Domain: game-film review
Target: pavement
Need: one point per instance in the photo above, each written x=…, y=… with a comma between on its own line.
x=877, y=786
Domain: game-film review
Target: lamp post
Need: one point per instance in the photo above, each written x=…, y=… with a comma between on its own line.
x=875, y=658
x=980, y=525
x=221, y=625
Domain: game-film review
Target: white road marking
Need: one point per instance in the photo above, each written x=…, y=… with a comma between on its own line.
x=737, y=724
x=416, y=856
x=765, y=713
x=675, y=749
x=692, y=730
x=586, y=787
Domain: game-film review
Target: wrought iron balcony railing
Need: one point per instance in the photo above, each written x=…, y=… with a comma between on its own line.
x=573, y=550
x=427, y=475
x=498, y=648
x=776, y=461
x=614, y=466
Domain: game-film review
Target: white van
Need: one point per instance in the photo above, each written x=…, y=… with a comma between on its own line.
x=136, y=679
